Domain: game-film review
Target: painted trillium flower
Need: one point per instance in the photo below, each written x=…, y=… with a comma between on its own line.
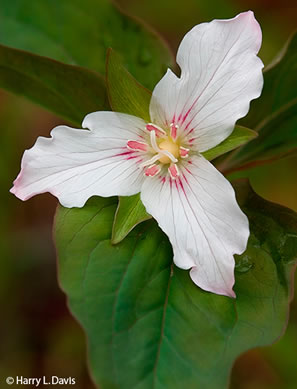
x=119, y=154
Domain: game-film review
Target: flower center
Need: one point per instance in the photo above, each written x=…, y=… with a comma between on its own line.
x=168, y=145
x=164, y=149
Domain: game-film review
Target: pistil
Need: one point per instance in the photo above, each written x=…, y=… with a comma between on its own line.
x=171, y=147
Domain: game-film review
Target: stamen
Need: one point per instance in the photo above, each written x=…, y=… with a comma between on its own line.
x=158, y=130
x=158, y=150
x=173, y=131
x=152, y=170
x=183, y=152
x=169, y=155
x=154, y=142
x=138, y=146
x=173, y=171
x=150, y=161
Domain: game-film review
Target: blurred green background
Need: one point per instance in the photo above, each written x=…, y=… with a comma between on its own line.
x=38, y=335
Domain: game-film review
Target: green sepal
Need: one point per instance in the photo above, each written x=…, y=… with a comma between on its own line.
x=125, y=93
x=239, y=137
x=130, y=212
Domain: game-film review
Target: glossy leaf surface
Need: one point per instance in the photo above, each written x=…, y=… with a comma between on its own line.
x=80, y=32
x=69, y=91
x=124, y=92
x=148, y=325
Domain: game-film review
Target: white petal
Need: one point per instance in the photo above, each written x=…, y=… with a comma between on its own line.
x=76, y=164
x=199, y=213
x=220, y=75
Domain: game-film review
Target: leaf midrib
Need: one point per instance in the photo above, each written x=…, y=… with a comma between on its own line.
x=114, y=308
x=162, y=326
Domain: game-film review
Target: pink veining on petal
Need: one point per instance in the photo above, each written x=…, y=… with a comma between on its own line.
x=131, y=157
x=152, y=170
x=191, y=130
x=184, y=177
x=179, y=185
x=138, y=146
x=128, y=153
x=189, y=110
x=158, y=130
x=173, y=171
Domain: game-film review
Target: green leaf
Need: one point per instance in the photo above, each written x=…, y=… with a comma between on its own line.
x=239, y=136
x=69, y=91
x=274, y=114
x=148, y=325
x=80, y=32
x=129, y=214
x=128, y=96
x=124, y=92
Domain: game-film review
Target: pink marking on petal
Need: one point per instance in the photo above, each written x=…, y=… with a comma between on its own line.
x=181, y=186
x=192, y=140
x=159, y=131
x=138, y=146
x=173, y=131
x=17, y=186
x=173, y=171
x=249, y=15
x=183, y=152
x=190, y=109
x=152, y=170
x=187, y=113
x=128, y=155
x=185, y=178
x=123, y=154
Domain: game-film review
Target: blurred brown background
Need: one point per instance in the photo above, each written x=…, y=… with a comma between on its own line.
x=38, y=335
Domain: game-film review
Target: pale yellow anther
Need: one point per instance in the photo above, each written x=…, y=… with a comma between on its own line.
x=170, y=146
